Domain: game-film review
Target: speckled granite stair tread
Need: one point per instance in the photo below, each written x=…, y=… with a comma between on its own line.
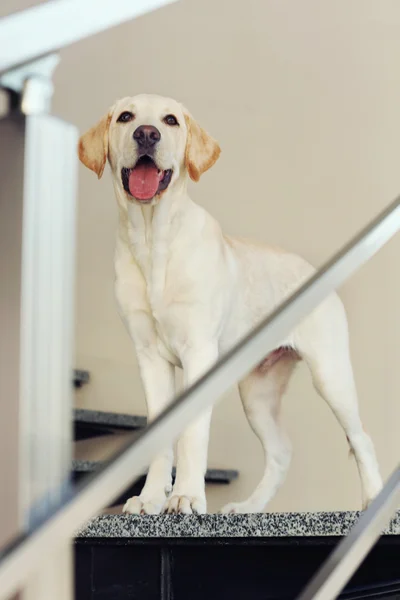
x=227, y=526
x=98, y=417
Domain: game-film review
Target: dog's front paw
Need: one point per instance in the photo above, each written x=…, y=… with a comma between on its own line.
x=143, y=506
x=185, y=505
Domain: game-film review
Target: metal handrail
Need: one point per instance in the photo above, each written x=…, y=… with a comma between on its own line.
x=350, y=552
x=58, y=23
x=25, y=554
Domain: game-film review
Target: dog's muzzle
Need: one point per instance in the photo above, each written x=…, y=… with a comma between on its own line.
x=145, y=180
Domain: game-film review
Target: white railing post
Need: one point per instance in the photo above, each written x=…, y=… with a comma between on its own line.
x=44, y=275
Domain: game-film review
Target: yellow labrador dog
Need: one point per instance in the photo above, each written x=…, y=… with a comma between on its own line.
x=187, y=293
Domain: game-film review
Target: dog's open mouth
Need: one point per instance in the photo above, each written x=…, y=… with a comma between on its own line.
x=145, y=180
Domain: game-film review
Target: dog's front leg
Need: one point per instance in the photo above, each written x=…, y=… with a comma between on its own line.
x=188, y=495
x=158, y=377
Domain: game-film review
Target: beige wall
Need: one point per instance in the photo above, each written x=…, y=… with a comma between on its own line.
x=304, y=98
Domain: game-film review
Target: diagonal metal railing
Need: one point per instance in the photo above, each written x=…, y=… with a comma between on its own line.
x=25, y=554
x=349, y=554
x=48, y=27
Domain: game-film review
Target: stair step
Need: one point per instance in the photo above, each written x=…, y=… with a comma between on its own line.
x=109, y=419
x=212, y=475
x=262, y=557
x=260, y=525
x=96, y=423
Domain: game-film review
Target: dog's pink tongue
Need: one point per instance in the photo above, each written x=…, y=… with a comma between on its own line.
x=144, y=181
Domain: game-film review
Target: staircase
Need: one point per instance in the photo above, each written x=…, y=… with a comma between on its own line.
x=175, y=557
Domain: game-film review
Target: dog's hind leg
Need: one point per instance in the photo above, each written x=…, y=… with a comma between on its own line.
x=323, y=342
x=261, y=394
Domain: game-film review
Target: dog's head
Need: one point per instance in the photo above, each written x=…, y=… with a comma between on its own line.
x=151, y=143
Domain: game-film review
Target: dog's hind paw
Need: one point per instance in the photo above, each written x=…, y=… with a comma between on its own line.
x=234, y=508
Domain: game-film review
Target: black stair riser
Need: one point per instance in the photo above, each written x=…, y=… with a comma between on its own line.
x=86, y=431
x=218, y=569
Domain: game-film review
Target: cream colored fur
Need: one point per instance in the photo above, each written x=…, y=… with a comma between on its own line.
x=187, y=293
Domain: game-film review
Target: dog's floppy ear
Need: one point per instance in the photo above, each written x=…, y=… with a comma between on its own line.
x=93, y=145
x=202, y=151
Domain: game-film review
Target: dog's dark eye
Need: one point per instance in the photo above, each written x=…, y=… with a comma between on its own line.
x=125, y=117
x=171, y=120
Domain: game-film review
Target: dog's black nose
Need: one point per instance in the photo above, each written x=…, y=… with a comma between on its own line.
x=146, y=136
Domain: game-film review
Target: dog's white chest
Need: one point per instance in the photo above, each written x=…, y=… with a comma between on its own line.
x=162, y=313
x=154, y=263
x=156, y=281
